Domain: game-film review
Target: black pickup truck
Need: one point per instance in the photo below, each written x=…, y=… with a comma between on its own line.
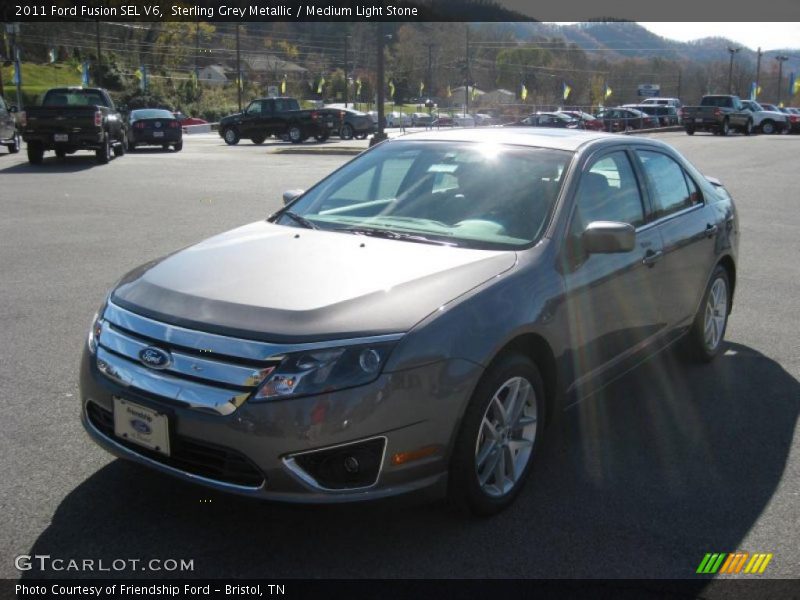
x=281, y=117
x=71, y=119
x=719, y=114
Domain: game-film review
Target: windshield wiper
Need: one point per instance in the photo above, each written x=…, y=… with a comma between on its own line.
x=394, y=235
x=299, y=220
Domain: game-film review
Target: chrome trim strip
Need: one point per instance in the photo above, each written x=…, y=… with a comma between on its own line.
x=195, y=395
x=219, y=344
x=183, y=364
x=161, y=466
x=670, y=216
x=295, y=469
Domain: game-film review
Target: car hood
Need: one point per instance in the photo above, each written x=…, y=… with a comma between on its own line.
x=231, y=118
x=286, y=284
x=772, y=114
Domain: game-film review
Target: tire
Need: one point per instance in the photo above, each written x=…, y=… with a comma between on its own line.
x=131, y=147
x=231, y=136
x=361, y=136
x=35, y=153
x=16, y=144
x=296, y=134
x=258, y=139
x=689, y=131
x=119, y=149
x=748, y=128
x=725, y=129
x=767, y=127
x=60, y=153
x=178, y=147
x=103, y=153
x=482, y=429
x=346, y=132
x=704, y=340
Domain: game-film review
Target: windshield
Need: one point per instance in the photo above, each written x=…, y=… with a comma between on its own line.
x=473, y=195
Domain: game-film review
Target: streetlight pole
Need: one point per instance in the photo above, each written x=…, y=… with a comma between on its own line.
x=98, y=78
x=781, y=59
x=733, y=52
x=380, y=134
x=758, y=71
x=239, y=81
x=346, y=81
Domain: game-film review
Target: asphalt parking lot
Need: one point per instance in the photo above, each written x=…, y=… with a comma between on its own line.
x=640, y=480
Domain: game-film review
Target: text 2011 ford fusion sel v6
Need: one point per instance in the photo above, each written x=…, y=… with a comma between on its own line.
x=414, y=319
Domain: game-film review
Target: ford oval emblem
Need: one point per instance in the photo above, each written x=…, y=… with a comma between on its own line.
x=155, y=358
x=141, y=426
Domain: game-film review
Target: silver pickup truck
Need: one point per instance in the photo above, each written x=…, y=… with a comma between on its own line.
x=764, y=120
x=717, y=114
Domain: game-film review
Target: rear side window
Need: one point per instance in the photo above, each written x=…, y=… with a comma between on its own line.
x=671, y=189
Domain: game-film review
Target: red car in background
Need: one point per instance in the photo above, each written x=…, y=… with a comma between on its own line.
x=184, y=120
x=586, y=121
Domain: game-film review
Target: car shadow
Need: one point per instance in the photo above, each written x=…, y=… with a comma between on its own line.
x=55, y=165
x=638, y=481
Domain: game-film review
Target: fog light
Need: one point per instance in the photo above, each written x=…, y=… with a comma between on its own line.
x=369, y=360
x=351, y=464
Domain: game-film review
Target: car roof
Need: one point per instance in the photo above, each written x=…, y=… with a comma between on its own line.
x=557, y=139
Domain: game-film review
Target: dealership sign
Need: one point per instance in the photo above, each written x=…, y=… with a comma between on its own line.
x=649, y=89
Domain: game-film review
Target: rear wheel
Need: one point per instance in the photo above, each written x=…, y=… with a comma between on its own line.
x=35, y=153
x=258, y=139
x=231, y=136
x=60, y=153
x=347, y=132
x=498, y=438
x=704, y=340
x=726, y=127
x=103, y=153
x=16, y=143
x=121, y=146
x=690, y=131
x=178, y=147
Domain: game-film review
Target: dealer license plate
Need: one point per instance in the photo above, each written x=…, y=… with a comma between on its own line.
x=61, y=137
x=158, y=134
x=141, y=425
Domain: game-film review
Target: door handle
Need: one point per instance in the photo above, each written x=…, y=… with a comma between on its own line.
x=711, y=230
x=651, y=258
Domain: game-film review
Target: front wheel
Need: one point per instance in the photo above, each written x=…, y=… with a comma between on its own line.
x=726, y=128
x=499, y=436
x=689, y=131
x=768, y=127
x=704, y=340
x=231, y=136
x=347, y=132
x=296, y=135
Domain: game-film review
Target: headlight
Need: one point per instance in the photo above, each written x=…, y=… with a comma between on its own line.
x=94, y=333
x=324, y=370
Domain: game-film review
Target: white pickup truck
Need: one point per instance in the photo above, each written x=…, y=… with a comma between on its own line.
x=766, y=121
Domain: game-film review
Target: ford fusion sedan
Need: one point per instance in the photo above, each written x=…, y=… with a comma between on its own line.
x=415, y=319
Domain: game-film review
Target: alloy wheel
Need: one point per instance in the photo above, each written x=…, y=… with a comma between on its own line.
x=506, y=436
x=716, y=314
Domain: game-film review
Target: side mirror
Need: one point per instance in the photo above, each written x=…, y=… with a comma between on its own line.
x=290, y=195
x=608, y=237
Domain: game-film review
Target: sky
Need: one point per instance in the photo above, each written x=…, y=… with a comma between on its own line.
x=770, y=36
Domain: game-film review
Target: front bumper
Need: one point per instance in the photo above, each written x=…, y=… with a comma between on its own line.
x=409, y=410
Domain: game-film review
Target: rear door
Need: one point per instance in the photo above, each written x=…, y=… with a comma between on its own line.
x=687, y=228
x=612, y=299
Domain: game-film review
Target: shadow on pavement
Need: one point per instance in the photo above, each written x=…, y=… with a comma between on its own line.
x=54, y=165
x=640, y=480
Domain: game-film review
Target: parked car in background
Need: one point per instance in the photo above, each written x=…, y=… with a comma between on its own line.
x=766, y=120
x=585, y=120
x=483, y=119
x=442, y=120
x=462, y=120
x=626, y=119
x=675, y=102
x=281, y=117
x=396, y=119
x=420, y=119
x=547, y=119
x=71, y=119
x=666, y=115
x=186, y=121
x=9, y=133
x=355, y=124
x=415, y=320
x=154, y=127
x=719, y=114
x=793, y=114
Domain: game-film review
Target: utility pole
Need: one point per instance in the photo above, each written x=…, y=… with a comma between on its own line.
x=466, y=86
x=239, y=81
x=781, y=59
x=346, y=82
x=13, y=29
x=429, y=78
x=758, y=70
x=98, y=78
x=680, y=78
x=380, y=135
x=733, y=52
